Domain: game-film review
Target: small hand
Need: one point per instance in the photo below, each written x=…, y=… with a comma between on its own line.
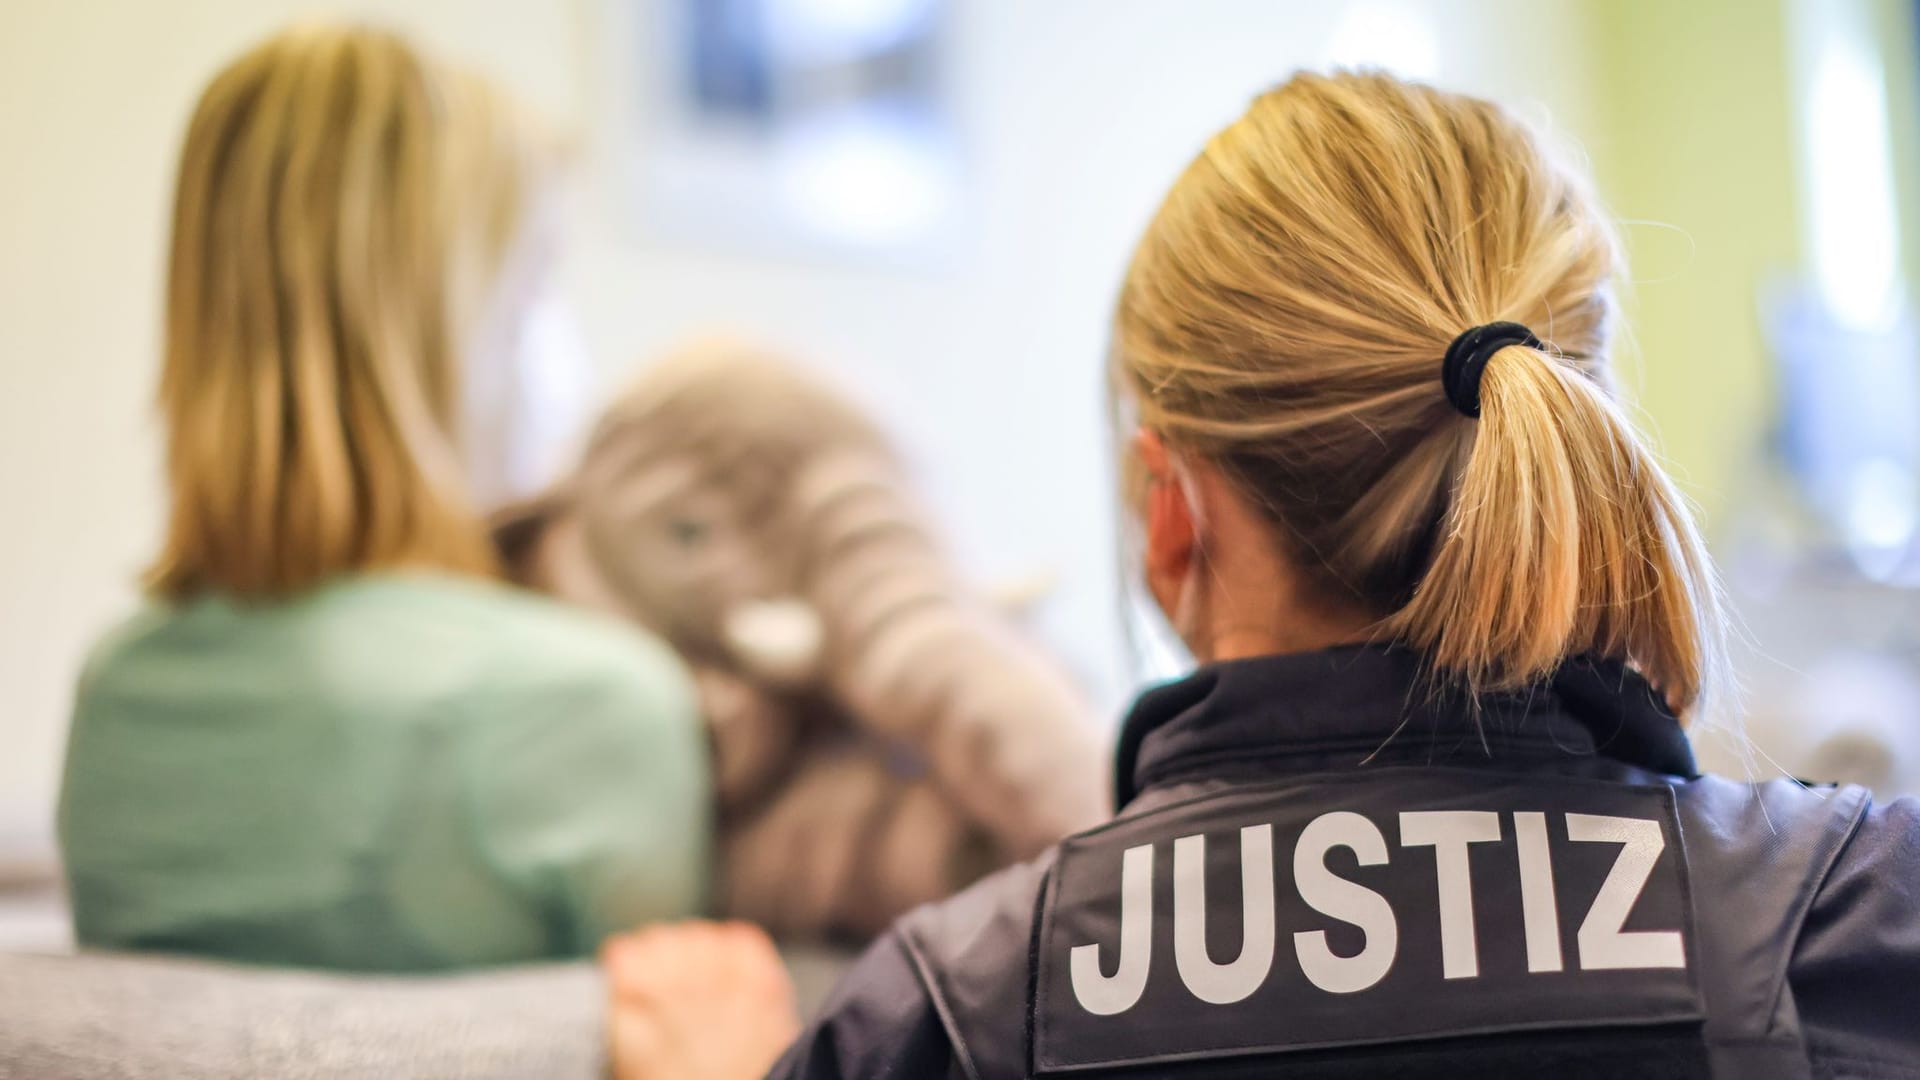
x=697, y=1001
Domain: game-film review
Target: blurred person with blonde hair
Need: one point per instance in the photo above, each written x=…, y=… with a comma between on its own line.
x=1428, y=806
x=332, y=739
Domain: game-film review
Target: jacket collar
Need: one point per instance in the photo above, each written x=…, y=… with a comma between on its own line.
x=1371, y=704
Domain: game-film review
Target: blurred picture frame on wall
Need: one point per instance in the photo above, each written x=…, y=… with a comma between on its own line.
x=808, y=129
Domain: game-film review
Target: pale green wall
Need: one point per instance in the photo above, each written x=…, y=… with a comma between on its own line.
x=1695, y=151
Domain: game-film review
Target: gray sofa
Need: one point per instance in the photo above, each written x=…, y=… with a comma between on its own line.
x=95, y=1016
x=88, y=1015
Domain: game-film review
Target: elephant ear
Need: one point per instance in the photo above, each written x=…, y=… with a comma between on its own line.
x=518, y=527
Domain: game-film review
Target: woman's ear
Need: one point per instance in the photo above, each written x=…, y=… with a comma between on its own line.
x=1171, y=536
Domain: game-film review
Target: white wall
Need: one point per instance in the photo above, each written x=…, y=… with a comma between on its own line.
x=1077, y=115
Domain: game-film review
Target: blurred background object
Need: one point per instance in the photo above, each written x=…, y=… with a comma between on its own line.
x=934, y=201
x=823, y=127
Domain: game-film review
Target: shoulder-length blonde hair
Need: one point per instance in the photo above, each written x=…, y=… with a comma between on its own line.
x=343, y=206
x=1285, y=317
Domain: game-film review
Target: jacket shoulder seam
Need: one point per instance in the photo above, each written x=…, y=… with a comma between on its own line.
x=1816, y=883
x=923, y=970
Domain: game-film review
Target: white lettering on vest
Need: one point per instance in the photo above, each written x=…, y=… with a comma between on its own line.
x=1449, y=832
x=1104, y=995
x=1603, y=945
x=1330, y=894
x=1539, y=910
x=1224, y=984
x=1602, y=942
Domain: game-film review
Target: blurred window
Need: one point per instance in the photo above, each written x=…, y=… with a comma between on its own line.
x=819, y=124
x=1844, y=336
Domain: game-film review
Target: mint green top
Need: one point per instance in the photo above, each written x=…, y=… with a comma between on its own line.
x=392, y=773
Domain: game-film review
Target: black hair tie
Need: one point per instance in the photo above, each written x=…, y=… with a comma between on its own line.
x=1467, y=359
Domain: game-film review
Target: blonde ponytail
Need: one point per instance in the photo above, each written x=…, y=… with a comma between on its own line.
x=1285, y=317
x=1562, y=537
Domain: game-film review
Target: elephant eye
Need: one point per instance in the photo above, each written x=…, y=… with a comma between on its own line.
x=688, y=532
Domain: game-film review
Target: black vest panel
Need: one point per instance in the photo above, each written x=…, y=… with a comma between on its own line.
x=1398, y=921
x=1392, y=906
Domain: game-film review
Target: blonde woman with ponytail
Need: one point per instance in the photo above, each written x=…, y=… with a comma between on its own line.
x=1427, y=807
x=333, y=739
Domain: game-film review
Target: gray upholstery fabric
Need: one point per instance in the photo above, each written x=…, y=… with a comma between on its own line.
x=97, y=1016
x=107, y=1016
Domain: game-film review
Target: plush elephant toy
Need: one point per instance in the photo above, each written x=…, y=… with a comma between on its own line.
x=881, y=735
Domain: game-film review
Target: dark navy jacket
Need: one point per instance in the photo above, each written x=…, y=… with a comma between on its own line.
x=1321, y=869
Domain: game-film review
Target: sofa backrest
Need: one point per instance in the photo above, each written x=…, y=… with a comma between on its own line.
x=94, y=1016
